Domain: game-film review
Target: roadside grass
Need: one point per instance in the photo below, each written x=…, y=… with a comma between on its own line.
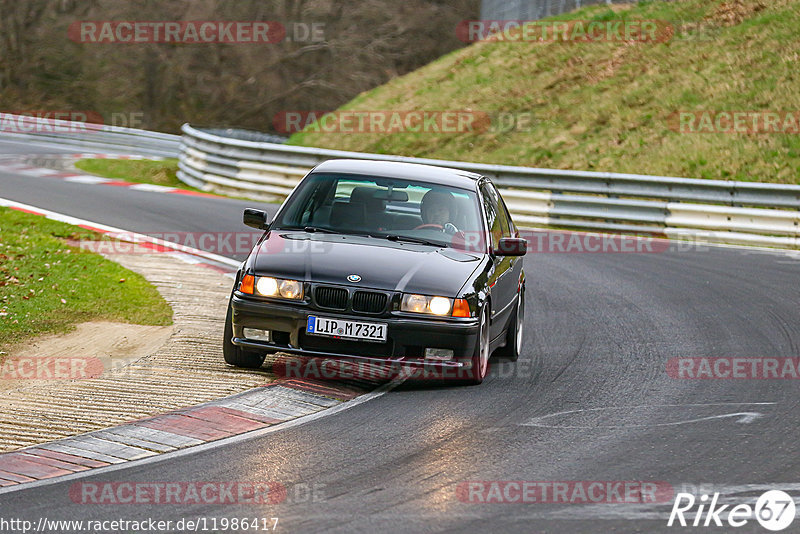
x=48, y=286
x=142, y=171
x=610, y=106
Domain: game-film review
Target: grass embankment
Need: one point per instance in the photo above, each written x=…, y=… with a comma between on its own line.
x=608, y=106
x=48, y=286
x=144, y=171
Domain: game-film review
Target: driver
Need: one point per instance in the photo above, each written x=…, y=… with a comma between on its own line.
x=437, y=209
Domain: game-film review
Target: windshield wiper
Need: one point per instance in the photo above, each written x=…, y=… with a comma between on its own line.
x=319, y=229
x=407, y=239
x=310, y=229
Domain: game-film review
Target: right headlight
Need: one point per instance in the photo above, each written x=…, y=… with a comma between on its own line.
x=434, y=305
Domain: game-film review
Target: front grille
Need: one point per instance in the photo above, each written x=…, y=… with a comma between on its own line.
x=334, y=298
x=369, y=302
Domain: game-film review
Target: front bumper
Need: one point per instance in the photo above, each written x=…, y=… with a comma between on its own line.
x=407, y=337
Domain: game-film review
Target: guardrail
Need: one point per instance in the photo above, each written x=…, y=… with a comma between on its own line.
x=751, y=213
x=86, y=135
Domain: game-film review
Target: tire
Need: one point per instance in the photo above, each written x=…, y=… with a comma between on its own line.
x=480, y=358
x=235, y=355
x=515, y=332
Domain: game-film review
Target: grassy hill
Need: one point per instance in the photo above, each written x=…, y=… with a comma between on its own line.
x=611, y=106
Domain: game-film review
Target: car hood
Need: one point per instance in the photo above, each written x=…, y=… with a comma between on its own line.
x=381, y=264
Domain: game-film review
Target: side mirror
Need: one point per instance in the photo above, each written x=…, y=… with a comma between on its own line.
x=255, y=218
x=511, y=246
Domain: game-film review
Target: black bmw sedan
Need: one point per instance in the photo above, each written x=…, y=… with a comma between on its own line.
x=384, y=262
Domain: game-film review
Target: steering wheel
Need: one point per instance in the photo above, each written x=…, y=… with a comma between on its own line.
x=431, y=226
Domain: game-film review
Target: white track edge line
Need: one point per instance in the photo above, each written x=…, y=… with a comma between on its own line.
x=124, y=235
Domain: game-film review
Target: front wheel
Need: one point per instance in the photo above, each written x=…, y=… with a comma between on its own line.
x=235, y=355
x=480, y=358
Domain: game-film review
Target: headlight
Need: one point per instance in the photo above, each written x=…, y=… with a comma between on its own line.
x=291, y=289
x=268, y=286
x=415, y=303
x=425, y=304
x=439, y=305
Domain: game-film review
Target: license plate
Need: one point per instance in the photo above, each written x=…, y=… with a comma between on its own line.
x=325, y=326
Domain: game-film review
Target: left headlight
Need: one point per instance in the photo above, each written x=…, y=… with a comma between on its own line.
x=268, y=286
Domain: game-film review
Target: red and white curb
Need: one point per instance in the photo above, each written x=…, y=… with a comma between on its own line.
x=182, y=252
x=241, y=416
x=22, y=165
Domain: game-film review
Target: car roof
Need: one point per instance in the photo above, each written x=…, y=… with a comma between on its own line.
x=413, y=172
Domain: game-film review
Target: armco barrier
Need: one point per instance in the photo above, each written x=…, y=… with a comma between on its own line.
x=90, y=136
x=752, y=213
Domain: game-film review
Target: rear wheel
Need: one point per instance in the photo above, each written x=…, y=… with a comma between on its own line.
x=514, y=334
x=235, y=355
x=480, y=358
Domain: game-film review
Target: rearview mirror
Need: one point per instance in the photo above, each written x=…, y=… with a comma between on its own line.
x=396, y=196
x=255, y=218
x=511, y=246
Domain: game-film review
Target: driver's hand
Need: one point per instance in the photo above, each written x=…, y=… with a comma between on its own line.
x=450, y=229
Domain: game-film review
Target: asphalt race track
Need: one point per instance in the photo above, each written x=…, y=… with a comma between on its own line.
x=600, y=331
x=137, y=211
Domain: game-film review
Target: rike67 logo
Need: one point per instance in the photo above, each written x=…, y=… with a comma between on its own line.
x=774, y=510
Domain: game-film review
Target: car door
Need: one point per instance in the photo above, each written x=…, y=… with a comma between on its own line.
x=503, y=281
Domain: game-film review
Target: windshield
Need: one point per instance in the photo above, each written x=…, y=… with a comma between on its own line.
x=384, y=207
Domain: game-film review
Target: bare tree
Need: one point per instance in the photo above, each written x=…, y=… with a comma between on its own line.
x=363, y=44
